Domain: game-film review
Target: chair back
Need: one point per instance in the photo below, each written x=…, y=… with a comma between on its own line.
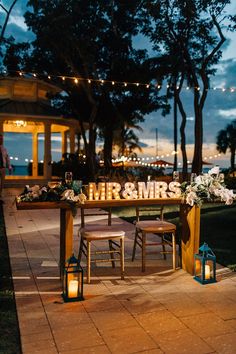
x=144, y=211
x=95, y=213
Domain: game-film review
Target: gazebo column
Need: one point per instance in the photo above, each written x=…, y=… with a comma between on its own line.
x=64, y=142
x=47, y=168
x=35, y=155
x=72, y=140
x=1, y=126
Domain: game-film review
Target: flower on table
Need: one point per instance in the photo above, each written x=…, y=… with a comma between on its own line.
x=214, y=171
x=52, y=192
x=207, y=187
x=70, y=195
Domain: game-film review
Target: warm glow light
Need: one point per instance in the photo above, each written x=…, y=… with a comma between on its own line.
x=207, y=272
x=20, y=123
x=73, y=288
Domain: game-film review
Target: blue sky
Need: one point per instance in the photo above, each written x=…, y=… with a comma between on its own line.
x=220, y=108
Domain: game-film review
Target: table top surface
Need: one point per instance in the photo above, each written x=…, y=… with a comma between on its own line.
x=89, y=204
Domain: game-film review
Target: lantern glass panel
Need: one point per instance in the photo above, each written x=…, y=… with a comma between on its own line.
x=205, y=266
x=73, y=281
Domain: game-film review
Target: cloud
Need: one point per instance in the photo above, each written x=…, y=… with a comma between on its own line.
x=16, y=25
x=19, y=34
x=142, y=144
x=228, y=114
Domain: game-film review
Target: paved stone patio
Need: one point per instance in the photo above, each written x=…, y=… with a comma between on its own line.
x=155, y=312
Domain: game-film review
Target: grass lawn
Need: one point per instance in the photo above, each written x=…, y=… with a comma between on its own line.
x=9, y=330
x=218, y=228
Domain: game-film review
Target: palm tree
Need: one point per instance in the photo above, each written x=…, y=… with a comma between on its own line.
x=127, y=141
x=226, y=139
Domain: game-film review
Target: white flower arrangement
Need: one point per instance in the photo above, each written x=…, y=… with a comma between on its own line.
x=210, y=187
x=52, y=192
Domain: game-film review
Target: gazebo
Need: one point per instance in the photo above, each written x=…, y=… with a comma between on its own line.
x=25, y=107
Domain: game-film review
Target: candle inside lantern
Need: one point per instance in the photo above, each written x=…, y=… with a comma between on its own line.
x=73, y=288
x=207, y=272
x=197, y=266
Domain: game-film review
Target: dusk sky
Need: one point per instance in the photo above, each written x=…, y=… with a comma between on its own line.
x=220, y=108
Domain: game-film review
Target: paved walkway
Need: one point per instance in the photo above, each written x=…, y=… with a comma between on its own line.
x=155, y=312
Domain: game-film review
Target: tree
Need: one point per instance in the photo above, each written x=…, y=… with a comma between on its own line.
x=226, y=139
x=95, y=43
x=4, y=26
x=127, y=141
x=191, y=33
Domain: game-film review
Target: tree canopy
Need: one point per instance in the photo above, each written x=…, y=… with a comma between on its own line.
x=93, y=39
x=190, y=36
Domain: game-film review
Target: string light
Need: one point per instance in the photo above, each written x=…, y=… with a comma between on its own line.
x=145, y=160
x=117, y=83
x=138, y=160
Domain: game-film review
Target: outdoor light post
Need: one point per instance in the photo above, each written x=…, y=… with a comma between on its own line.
x=205, y=265
x=73, y=280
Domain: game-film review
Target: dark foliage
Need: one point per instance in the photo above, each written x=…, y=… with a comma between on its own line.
x=9, y=338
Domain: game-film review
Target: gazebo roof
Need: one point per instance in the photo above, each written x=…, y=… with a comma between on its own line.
x=8, y=106
x=26, y=100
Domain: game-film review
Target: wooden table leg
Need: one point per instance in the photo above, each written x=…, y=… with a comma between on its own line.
x=190, y=238
x=66, y=237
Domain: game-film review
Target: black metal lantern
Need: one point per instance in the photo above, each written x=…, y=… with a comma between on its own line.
x=205, y=265
x=73, y=280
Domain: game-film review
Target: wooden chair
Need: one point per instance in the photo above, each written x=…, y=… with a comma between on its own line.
x=93, y=233
x=164, y=229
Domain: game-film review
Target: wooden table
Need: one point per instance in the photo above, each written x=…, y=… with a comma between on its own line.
x=189, y=223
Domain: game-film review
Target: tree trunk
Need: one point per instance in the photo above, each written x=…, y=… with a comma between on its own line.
x=108, y=141
x=232, y=159
x=183, y=138
x=8, y=13
x=91, y=154
x=90, y=144
x=175, y=132
x=198, y=133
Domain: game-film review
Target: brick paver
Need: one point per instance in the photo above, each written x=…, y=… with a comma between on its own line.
x=155, y=312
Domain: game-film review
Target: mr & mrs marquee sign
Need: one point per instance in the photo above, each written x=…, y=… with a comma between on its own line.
x=141, y=190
